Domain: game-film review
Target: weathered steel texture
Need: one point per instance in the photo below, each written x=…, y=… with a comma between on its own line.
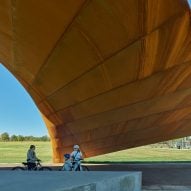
x=105, y=74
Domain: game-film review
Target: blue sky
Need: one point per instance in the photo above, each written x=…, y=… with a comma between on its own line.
x=189, y=1
x=18, y=113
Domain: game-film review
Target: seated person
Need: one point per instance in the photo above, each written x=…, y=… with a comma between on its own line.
x=67, y=163
x=76, y=157
x=31, y=158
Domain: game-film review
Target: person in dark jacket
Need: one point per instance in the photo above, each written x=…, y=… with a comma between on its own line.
x=32, y=158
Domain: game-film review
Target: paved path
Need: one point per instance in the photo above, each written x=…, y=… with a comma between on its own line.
x=155, y=174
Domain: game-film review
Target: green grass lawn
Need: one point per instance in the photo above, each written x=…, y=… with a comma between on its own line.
x=144, y=154
x=15, y=152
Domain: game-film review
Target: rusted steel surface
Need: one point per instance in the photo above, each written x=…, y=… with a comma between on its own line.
x=105, y=74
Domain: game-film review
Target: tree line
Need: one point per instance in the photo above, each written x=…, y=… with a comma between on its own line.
x=6, y=137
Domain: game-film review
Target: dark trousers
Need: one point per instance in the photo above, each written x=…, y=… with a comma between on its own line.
x=31, y=166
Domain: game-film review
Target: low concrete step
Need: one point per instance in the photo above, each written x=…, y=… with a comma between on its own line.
x=166, y=188
x=69, y=181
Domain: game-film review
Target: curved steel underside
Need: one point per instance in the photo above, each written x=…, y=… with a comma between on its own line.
x=105, y=74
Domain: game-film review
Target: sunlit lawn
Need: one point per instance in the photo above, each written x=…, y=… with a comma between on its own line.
x=144, y=154
x=15, y=152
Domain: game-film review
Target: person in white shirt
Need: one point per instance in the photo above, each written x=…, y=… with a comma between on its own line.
x=76, y=157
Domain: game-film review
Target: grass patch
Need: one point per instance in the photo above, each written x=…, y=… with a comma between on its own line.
x=15, y=152
x=144, y=154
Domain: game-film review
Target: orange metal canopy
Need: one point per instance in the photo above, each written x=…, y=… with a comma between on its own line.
x=105, y=74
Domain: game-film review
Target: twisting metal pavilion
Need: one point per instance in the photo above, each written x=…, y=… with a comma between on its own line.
x=105, y=74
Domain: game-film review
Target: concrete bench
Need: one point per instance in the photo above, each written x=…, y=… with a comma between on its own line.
x=69, y=181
